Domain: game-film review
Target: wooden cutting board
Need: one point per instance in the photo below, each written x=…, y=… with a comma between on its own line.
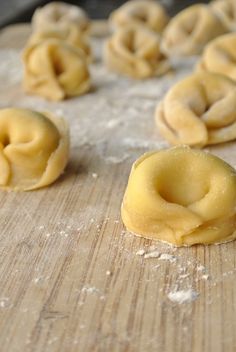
x=71, y=278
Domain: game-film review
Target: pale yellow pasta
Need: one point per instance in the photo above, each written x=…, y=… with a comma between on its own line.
x=226, y=10
x=55, y=70
x=147, y=13
x=190, y=30
x=199, y=110
x=34, y=148
x=135, y=51
x=56, y=14
x=219, y=56
x=71, y=34
x=181, y=196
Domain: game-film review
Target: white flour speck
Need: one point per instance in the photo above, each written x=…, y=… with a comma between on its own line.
x=156, y=266
x=140, y=252
x=165, y=256
x=116, y=160
x=4, y=302
x=37, y=279
x=154, y=254
x=184, y=276
x=90, y=289
x=183, y=296
x=200, y=268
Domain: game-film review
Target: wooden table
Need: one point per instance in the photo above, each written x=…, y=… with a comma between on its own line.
x=71, y=278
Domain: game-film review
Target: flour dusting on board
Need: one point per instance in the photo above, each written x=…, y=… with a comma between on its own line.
x=110, y=128
x=11, y=70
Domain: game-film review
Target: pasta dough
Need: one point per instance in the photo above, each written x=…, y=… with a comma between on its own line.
x=55, y=70
x=140, y=12
x=219, y=56
x=34, y=149
x=57, y=15
x=189, y=31
x=226, y=10
x=135, y=51
x=70, y=34
x=199, y=110
x=181, y=196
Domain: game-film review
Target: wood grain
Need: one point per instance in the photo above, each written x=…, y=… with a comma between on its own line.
x=70, y=279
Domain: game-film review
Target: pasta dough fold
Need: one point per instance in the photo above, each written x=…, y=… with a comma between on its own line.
x=199, y=110
x=181, y=196
x=56, y=15
x=226, y=10
x=219, y=56
x=34, y=148
x=71, y=34
x=189, y=31
x=135, y=51
x=55, y=70
x=140, y=12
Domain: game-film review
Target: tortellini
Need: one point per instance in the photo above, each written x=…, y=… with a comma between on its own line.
x=55, y=70
x=140, y=12
x=189, y=31
x=181, y=196
x=34, y=149
x=135, y=51
x=219, y=56
x=57, y=15
x=226, y=10
x=199, y=110
x=70, y=34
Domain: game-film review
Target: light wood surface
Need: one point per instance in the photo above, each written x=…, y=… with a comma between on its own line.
x=70, y=278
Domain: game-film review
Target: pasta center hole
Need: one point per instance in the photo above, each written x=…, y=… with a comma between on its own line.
x=142, y=17
x=190, y=26
x=182, y=184
x=132, y=45
x=58, y=67
x=5, y=141
x=57, y=16
x=182, y=196
x=189, y=29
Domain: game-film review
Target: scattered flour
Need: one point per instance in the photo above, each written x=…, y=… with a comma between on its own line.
x=201, y=268
x=140, y=252
x=154, y=254
x=90, y=289
x=183, y=296
x=5, y=303
x=184, y=276
x=11, y=69
x=116, y=159
x=112, y=123
x=165, y=256
x=37, y=280
x=138, y=143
